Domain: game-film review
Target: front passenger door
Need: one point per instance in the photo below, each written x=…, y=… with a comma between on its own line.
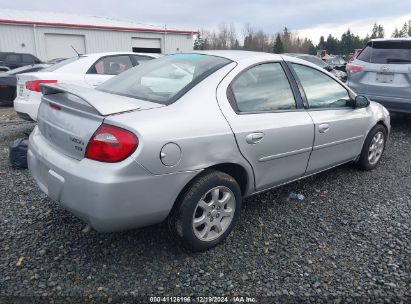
x=340, y=129
x=273, y=133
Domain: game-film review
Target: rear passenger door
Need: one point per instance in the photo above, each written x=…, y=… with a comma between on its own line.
x=339, y=127
x=273, y=131
x=107, y=67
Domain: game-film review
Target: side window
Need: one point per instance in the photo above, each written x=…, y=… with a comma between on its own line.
x=264, y=87
x=28, y=59
x=142, y=59
x=12, y=58
x=321, y=90
x=111, y=65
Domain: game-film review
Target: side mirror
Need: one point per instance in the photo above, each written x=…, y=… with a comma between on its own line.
x=361, y=102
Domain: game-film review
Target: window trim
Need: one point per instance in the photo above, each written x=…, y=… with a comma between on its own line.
x=291, y=81
x=304, y=95
x=95, y=62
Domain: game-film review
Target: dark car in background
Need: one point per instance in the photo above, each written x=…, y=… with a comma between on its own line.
x=10, y=60
x=337, y=62
x=382, y=72
x=8, y=82
x=321, y=63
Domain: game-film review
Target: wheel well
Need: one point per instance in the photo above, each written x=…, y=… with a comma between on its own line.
x=236, y=171
x=380, y=122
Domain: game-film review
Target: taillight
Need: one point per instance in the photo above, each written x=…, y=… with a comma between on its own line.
x=111, y=144
x=34, y=85
x=351, y=68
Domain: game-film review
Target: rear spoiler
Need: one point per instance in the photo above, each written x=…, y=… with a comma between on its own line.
x=102, y=102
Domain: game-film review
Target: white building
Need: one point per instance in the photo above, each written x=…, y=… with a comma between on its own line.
x=51, y=35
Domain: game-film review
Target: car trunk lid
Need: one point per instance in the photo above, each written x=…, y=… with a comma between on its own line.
x=69, y=115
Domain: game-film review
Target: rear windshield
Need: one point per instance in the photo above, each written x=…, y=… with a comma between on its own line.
x=62, y=63
x=387, y=52
x=166, y=79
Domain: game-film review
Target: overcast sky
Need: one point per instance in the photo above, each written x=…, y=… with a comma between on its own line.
x=311, y=18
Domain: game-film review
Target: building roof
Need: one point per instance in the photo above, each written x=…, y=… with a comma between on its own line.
x=78, y=21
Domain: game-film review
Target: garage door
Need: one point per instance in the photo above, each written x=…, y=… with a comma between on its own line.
x=146, y=45
x=59, y=46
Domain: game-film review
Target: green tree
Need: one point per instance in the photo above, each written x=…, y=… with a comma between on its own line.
x=377, y=31
x=331, y=45
x=396, y=33
x=321, y=44
x=199, y=42
x=278, y=47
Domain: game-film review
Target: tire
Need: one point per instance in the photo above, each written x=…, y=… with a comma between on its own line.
x=198, y=203
x=365, y=162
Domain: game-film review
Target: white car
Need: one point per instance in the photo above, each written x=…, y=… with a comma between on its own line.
x=88, y=70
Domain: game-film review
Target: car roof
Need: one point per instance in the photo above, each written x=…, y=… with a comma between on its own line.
x=391, y=39
x=300, y=55
x=102, y=54
x=237, y=55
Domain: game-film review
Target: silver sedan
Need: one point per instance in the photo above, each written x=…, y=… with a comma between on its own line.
x=186, y=137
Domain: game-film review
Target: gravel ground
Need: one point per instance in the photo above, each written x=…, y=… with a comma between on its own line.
x=350, y=239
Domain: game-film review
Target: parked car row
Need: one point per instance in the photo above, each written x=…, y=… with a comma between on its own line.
x=88, y=70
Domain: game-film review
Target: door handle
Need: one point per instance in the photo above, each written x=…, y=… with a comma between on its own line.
x=254, y=138
x=323, y=128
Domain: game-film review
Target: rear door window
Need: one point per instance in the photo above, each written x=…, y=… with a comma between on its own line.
x=264, y=87
x=111, y=65
x=13, y=58
x=387, y=52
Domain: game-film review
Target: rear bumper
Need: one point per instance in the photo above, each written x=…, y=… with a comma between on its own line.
x=29, y=107
x=110, y=197
x=393, y=104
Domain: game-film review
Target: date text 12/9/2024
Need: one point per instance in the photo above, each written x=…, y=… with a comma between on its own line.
x=202, y=299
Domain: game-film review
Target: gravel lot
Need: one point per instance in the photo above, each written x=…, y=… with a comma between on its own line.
x=349, y=239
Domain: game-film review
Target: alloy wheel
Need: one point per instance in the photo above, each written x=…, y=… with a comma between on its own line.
x=214, y=213
x=376, y=148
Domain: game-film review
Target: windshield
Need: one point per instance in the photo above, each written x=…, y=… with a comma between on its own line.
x=315, y=60
x=386, y=52
x=166, y=79
x=62, y=63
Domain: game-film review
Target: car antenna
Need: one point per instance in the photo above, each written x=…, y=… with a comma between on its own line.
x=78, y=54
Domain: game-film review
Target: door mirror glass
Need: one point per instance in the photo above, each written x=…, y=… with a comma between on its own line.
x=361, y=102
